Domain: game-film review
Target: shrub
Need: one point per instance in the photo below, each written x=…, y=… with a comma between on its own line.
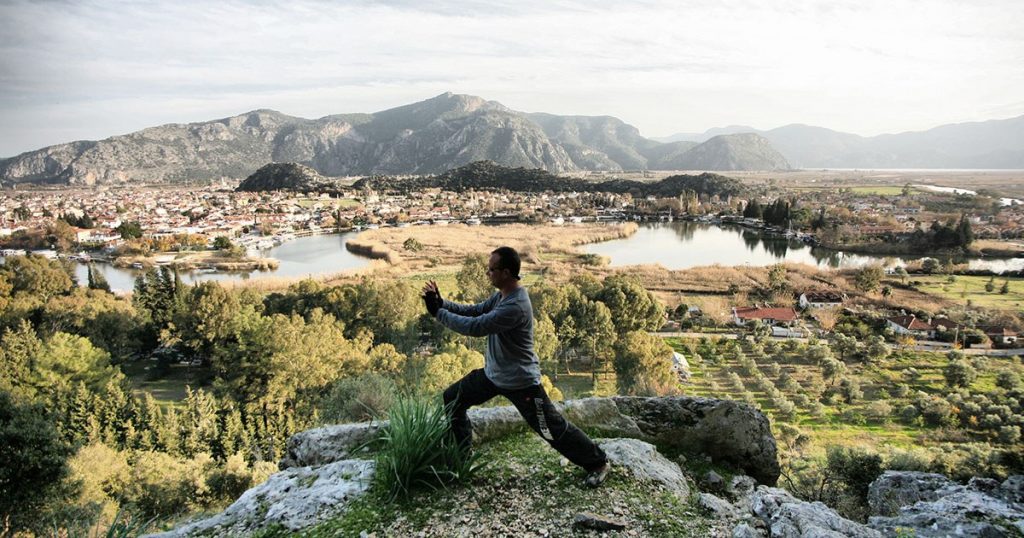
x=1007, y=380
x=358, y=398
x=909, y=413
x=1009, y=435
x=959, y=374
x=879, y=410
x=419, y=452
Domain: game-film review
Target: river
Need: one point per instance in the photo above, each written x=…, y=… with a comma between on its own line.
x=304, y=256
x=685, y=244
x=676, y=245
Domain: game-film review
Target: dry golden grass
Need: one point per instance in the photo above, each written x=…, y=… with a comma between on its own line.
x=447, y=246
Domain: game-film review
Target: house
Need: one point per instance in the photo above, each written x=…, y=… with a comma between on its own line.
x=1001, y=336
x=680, y=366
x=770, y=316
x=910, y=325
x=820, y=299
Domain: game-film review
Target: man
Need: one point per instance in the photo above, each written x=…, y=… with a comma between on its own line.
x=511, y=368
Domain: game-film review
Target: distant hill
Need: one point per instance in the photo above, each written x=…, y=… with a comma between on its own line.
x=487, y=175
x=988, y=144
x=745, y=151
x=284, y=176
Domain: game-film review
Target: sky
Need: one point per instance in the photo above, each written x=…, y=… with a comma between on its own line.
x=89, y=69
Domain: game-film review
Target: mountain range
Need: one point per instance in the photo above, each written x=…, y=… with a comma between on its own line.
x=450, y=130
x=995, y=144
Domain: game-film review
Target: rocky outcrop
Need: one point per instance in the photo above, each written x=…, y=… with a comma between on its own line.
x=789, y=517
x=297, y=498
x=931, y=505
x=730, y=432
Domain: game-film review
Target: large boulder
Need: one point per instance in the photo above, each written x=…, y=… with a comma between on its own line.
x=981, y=508
x=295, y=498
x=731, y=432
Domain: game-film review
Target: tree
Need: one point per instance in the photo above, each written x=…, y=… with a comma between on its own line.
x=412, y=245
x=845, y=345
x=36, y=275
x=96, y=280
x=930, y=265
x=1005, y=288
x=61, y=236
x=876, y=349
x=129, y=230
x=33, y=462
x=868, y=278
x=777, y=277
x=832, y=368
x=643, y=365
x=1007, y=379
x=632, y=307
x=474, y=285
x=902, y=273
x=965, y=236
x=990, y=286
x=886, y=291
x=959, y=374
x=222, y=242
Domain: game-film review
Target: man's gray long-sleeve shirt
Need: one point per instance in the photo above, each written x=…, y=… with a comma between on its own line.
x=510, y=362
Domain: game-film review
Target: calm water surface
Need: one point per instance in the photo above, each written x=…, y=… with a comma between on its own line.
x=303, y=256
x=681, y=245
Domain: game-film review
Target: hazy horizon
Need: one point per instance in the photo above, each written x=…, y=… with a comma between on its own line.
x=94, y=69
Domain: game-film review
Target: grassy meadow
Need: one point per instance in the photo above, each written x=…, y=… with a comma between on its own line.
x=971, y=289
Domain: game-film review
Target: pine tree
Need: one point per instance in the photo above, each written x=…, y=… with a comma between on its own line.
x=96, y=280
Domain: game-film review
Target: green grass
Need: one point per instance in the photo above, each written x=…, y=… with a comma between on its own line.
x=972, y=288
x=168, y=389
x=524, y=489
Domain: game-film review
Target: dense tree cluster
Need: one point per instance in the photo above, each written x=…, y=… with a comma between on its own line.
x=261, y=367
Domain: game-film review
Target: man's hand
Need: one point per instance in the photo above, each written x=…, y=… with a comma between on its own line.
x=432, y=298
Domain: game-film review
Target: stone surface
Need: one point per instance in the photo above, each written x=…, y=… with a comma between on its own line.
x=980, y=509
x=645, y=463
x=713, y=482
x=295, y=498
x=741, y=486
x=789, y=517
x=744, y=530
x=734, y=433
x=716, y=505
x=594, y=521
x=328, y=443
x=894, y=489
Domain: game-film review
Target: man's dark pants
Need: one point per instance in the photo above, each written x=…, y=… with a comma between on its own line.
x=535, y=407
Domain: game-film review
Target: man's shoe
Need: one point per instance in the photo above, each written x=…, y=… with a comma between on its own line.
x=597, y=476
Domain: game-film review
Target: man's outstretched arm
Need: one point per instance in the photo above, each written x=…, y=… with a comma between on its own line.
x=470, y=310
x=497, y=320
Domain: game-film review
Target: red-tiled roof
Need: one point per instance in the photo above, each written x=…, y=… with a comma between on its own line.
x=778, y=314
x=911, y=323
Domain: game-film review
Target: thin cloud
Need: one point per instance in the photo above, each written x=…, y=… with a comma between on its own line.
x=91, y=69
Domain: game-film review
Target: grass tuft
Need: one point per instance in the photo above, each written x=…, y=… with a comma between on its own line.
x=419, y=452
